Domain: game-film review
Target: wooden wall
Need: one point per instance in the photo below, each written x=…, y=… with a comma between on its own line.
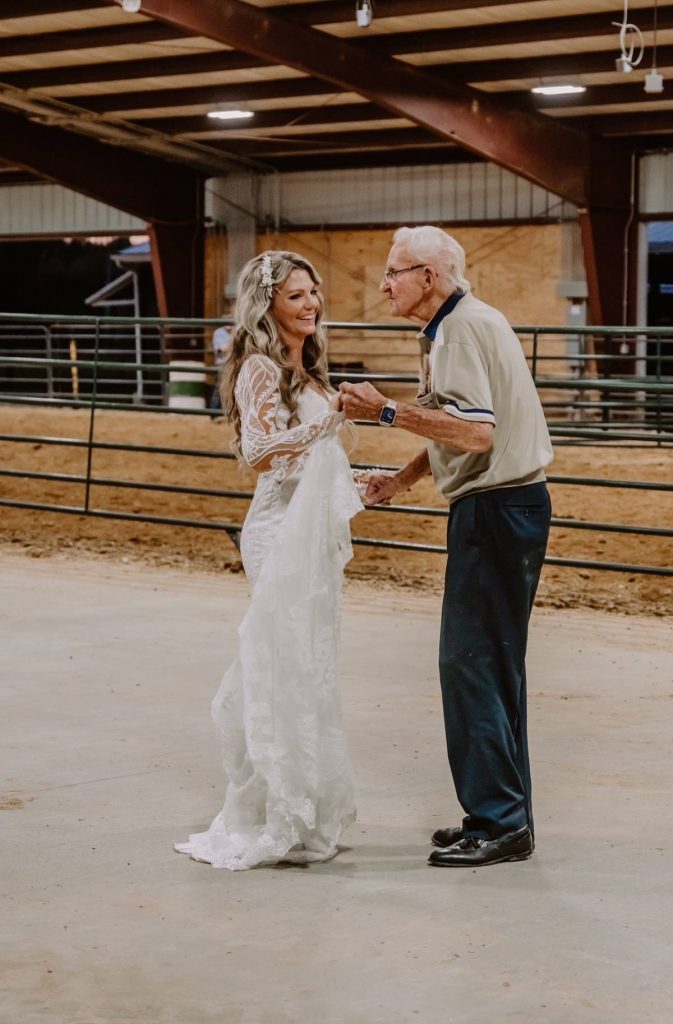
x=515, y=268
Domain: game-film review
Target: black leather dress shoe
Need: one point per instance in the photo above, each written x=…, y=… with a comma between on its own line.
x=471, y=852
x=446, y=836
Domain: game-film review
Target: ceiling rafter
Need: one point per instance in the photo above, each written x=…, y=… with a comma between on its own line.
x=121, y=70
x=548, y=67
x=38, y=8
x=310, y=116
x=328, y=12
x=87, y=38
x=206, y=94
x=628, y=124
x=313, y=141
x=336, y=158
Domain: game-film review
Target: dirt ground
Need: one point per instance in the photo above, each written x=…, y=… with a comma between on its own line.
x=45, y=533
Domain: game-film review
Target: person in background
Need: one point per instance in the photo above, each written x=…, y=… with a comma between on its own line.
x=222, y=343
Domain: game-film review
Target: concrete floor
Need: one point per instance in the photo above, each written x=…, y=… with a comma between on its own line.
x=109, y=757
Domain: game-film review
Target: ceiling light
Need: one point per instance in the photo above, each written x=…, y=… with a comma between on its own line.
x=654, y=82
x=557, y=90
x=631, y=43
x=131, y=6
x=364, y=12
x=229, y=115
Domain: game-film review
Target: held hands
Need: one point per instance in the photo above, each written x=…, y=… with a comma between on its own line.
x=361, y=401
x=335, y=402
x=380, y=488
x=364, y=402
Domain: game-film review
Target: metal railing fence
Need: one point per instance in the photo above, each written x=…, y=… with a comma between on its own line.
x=643, y=400
x=580, y=372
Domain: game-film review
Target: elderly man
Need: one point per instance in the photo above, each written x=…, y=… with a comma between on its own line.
x=487, y=447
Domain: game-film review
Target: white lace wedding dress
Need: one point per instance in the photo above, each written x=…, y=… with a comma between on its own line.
x=289, y=791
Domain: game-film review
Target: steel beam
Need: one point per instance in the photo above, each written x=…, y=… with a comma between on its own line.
x=166, y=195
x=122, y=178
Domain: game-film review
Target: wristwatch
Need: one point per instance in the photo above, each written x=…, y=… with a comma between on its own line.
x=388, y=414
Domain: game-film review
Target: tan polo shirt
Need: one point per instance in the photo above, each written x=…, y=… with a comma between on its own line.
x=475, y=370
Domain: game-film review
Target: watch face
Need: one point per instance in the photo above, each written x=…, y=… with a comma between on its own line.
x=387, y=415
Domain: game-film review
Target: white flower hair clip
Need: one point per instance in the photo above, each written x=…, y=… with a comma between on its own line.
x=267, y=274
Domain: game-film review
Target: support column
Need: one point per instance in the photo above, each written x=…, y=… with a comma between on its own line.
x=607, y=237
x=178, y=268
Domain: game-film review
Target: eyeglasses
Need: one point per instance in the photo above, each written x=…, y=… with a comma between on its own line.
x=392, y=275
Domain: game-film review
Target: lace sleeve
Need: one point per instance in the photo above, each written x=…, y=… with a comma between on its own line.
x=258, y=399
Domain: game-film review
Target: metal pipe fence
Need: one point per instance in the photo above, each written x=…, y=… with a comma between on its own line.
x=85, y=353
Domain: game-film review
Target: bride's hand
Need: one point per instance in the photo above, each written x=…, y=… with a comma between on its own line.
x=335, y=402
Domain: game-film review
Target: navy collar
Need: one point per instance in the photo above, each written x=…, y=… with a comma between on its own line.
x=430, y=329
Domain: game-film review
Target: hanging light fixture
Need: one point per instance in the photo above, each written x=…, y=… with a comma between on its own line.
x=364, y=12
x=630, y=41
x=654, y=82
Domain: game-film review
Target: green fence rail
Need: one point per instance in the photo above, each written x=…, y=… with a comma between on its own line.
x=633, y=409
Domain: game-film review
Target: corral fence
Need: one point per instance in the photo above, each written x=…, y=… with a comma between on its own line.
x=598, y=386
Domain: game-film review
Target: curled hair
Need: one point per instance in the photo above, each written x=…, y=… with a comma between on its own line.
x=433, y=246
x=256, y=331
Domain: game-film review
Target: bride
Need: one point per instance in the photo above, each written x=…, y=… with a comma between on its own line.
x=289, y=793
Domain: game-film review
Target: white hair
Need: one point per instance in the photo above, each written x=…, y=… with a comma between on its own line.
x=433, y=246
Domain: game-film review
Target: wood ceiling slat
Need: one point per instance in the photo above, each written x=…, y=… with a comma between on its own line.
x=119, y=70
x=131, y=51
x=85, y=39
x=501, y=34
x=333, y=11
x=295, y=135
x=62, y=21
x=37, y=8
x=292, y=105
x=211, y=94
x=511, y=70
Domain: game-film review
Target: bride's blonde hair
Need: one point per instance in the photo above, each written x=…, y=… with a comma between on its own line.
x=255, y=331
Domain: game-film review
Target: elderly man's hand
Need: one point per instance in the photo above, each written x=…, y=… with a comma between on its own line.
x=381, y=487
x=361, y=401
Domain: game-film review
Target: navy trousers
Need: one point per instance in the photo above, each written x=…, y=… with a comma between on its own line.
x=496, y=542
